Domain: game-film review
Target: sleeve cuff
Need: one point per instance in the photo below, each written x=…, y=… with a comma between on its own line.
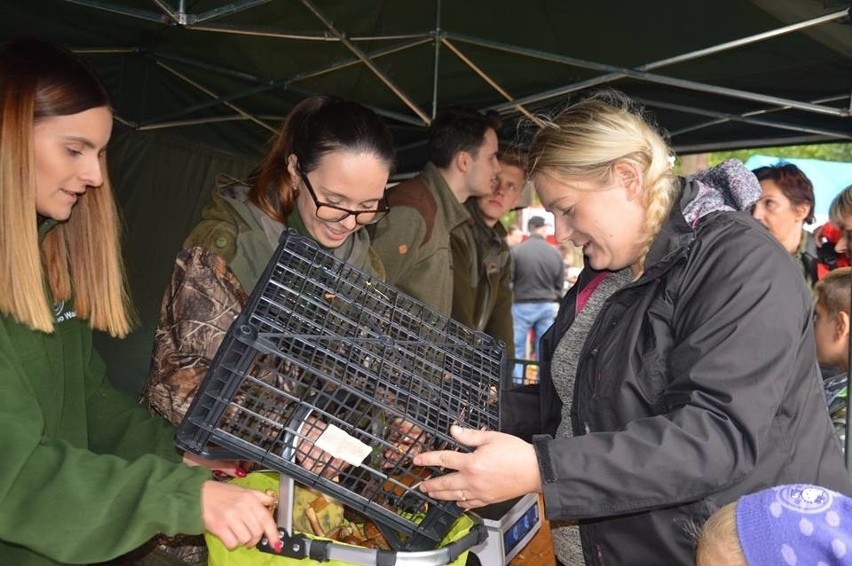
x=545, y=466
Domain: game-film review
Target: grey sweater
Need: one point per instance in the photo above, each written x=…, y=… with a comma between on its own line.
x=566, y=535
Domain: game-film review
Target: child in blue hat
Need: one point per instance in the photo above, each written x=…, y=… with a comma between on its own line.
x=788, y=525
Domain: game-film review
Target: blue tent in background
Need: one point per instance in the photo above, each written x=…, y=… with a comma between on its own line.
x=828, y=177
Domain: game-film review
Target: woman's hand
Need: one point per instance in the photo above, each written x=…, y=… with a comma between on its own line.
x=501, y=467
x=238, y=516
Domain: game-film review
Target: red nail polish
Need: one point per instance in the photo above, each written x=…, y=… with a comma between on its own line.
x=240, y=473
x=220, y=474
x=279, y=546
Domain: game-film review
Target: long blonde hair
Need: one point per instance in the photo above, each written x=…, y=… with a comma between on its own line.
x=589, y=137
x=79, y=259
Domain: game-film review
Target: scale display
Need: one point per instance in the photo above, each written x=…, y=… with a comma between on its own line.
x=522, y=527
x=511, y=525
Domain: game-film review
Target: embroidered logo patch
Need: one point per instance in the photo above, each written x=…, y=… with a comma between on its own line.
x=804, y=499
x=60, y=314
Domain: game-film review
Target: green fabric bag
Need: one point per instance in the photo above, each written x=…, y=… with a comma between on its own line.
x=241, y=556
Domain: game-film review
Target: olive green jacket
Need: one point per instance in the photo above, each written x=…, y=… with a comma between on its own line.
x=482, y=294
x=413, y=240
x=86, y=474
x=221, y=261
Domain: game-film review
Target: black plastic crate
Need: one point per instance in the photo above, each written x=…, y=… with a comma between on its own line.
x=323, y=348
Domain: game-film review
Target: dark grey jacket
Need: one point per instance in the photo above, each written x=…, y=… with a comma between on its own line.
x=698, y=383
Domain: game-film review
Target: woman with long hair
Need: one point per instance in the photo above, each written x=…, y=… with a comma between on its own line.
x=681, y=371
x=324, y=176
x=87, y=474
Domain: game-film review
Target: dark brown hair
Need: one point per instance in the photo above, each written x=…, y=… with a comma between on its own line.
x=793, y=183
x=316, y=126
x=458, y=129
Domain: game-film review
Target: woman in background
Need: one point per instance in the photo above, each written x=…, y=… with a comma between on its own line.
x=840, y=215
x=785, y=205
x=87, y=474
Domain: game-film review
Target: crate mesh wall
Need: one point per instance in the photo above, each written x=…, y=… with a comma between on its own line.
x=321, y=343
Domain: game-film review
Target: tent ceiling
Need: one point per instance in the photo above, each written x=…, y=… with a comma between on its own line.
x=723, y=74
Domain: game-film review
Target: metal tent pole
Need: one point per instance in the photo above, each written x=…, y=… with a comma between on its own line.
x=381, y=75
x=744, y=118
x=490, y=81
x=437, y=61
x=849, y=384
x=631, y=73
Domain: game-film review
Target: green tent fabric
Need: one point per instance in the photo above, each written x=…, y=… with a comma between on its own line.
x=162, y=185
x=222, y=73
x=199, y=86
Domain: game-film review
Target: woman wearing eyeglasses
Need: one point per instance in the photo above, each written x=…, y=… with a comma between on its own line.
x=324, y=176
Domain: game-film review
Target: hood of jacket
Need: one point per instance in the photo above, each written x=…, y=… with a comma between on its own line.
x=727, y=187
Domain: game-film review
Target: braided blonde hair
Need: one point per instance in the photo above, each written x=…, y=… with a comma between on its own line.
x=589, y=137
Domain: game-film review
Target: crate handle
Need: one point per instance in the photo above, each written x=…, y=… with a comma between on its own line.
x=300, y=546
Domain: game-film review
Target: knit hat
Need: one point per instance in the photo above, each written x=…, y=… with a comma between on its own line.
x=798, y=524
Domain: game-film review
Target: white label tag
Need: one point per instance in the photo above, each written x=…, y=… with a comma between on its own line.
x=343, y=446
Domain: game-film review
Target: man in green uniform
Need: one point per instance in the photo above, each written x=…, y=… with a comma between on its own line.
x=482, y=293
x=413, y=240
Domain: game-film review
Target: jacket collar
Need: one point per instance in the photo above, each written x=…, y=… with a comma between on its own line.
x=45, y=225
x=454, y=211
x=676, y=235
x=495, y=232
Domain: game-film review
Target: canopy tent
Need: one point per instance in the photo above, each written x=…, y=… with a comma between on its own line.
x=222, y=73
x=200, y=85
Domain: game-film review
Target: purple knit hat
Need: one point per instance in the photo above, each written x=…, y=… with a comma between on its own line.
x=798, y=524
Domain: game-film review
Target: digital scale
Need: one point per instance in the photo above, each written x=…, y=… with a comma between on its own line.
x=511, y=525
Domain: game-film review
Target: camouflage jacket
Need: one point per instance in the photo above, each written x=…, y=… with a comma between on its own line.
x=221, y=261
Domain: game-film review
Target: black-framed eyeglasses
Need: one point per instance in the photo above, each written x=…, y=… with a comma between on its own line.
x=333, y=213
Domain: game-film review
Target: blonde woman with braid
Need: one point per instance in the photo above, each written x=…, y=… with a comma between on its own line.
x=681, y=371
